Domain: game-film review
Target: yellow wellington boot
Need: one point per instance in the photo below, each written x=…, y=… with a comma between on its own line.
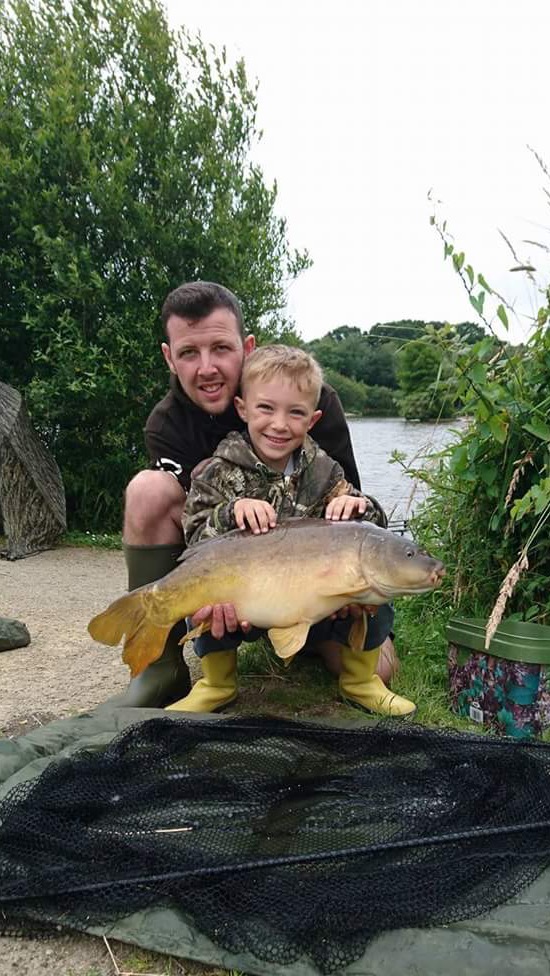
x=361, y=687
x=216, y=688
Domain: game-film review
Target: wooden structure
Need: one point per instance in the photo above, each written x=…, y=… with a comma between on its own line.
x=32, y=496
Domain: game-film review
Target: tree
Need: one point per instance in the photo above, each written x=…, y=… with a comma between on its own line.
x=423, y=374
x=352, y=393
x=419, y=364
x=124, y=171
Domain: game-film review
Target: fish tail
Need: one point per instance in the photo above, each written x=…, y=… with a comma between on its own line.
x=127, y=617
x=123, y=616
x=144, y=645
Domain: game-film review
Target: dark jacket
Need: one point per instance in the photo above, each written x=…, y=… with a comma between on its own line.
x=178, y=434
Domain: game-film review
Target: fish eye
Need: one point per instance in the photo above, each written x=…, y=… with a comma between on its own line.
x=409, y=553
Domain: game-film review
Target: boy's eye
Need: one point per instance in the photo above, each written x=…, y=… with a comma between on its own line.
x=264, y=406
x=298, y=413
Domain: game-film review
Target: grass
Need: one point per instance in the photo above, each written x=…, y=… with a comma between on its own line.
x=92, y=540
x=136, y=961
x=306, y=689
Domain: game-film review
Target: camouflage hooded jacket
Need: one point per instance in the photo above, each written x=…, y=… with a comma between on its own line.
x=235, y=471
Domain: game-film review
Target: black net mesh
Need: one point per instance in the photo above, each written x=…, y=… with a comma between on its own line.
x=278, y=838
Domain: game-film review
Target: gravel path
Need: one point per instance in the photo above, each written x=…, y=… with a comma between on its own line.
x=62, y=671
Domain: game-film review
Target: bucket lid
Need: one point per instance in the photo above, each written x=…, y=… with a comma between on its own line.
x=513, y=640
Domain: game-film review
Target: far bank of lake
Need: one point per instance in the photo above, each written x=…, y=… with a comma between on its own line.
x=375, y=438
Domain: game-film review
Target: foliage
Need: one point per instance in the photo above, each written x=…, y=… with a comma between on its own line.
x=419, y=365
x=423, y=373
x=380, y=401
x=354, y=395
x=382, y=358
x=490, y=505
x=92, y=540
x=124, y=171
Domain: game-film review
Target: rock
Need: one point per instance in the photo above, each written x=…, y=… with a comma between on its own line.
x=13, y=634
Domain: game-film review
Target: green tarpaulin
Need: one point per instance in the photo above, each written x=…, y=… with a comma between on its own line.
x=513, y=938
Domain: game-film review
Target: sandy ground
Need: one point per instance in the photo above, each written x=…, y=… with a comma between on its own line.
x=63, y=672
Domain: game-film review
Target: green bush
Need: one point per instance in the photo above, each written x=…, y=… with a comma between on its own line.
x=124, y=170
x=352, y=393
x=488, y=513
x=380, y=401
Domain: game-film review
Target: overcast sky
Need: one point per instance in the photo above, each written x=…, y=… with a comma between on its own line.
x=365, y=106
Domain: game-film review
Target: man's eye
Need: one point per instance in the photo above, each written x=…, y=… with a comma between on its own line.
x=186, y=353
x=221, y=348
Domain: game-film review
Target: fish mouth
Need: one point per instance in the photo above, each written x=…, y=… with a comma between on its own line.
x=432, y=580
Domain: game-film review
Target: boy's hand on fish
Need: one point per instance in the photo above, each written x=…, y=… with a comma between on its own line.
x=255, y=514
x=223, y=619
x=344, y=507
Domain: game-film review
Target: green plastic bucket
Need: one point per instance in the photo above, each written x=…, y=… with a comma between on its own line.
x=506, y=687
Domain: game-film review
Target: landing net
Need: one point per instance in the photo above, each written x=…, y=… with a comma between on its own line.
x=277, y=838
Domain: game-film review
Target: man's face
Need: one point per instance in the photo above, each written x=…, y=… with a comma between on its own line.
x=207, y=356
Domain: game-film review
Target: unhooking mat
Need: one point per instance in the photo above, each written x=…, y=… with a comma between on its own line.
x=517, y=934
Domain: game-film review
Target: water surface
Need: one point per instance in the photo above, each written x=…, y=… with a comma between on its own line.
x=375, y=438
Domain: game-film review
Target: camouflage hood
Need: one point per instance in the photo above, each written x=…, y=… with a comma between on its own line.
x=236, y=471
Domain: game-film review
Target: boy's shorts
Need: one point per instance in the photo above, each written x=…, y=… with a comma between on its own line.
x=379, y=627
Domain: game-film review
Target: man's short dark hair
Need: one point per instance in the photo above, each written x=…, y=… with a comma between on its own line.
x=197, y=299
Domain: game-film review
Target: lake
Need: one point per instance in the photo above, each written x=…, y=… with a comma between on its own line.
x=375, y=438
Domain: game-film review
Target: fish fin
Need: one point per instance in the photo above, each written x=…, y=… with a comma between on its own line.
x=358, y=633
x=121, y=617
x=197, y=631
x=287, y=641
x=144, y=645
x=126, y=616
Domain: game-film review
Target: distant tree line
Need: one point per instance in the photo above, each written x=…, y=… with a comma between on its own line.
x=404, y=368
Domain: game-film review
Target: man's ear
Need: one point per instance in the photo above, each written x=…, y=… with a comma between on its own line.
x=317, y=414
x=249, y=345
x=168, y=356
x=240, y=407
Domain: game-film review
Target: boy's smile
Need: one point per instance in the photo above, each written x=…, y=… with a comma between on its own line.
x=278, y=416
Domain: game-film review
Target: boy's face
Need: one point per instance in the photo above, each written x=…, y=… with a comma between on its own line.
x=278, y=416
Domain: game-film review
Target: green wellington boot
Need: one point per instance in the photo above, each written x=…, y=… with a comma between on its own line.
x=216, y=689
x=361, y=687
x=166, y=679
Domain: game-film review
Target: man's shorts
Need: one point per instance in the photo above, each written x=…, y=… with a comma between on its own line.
x=379, y=626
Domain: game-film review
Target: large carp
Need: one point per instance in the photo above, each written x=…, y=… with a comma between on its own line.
x=283, y=581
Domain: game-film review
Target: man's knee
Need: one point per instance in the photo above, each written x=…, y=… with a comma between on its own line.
x=154, y=503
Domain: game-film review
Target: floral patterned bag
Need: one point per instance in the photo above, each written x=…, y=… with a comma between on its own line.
x=506, y=688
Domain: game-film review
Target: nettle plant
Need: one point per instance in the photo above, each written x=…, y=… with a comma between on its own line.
x=489, y=510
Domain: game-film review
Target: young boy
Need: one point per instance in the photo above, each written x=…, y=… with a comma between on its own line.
x=275, y=470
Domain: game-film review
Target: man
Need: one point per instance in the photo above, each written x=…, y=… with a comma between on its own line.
x=204, y=350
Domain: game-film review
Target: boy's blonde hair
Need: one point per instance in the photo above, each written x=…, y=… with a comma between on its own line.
x=268, y=362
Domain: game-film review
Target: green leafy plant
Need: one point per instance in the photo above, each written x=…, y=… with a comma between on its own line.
x=124, y=170
x=489, y=510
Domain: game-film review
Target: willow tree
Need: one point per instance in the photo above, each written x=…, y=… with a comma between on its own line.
x=124, y=170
